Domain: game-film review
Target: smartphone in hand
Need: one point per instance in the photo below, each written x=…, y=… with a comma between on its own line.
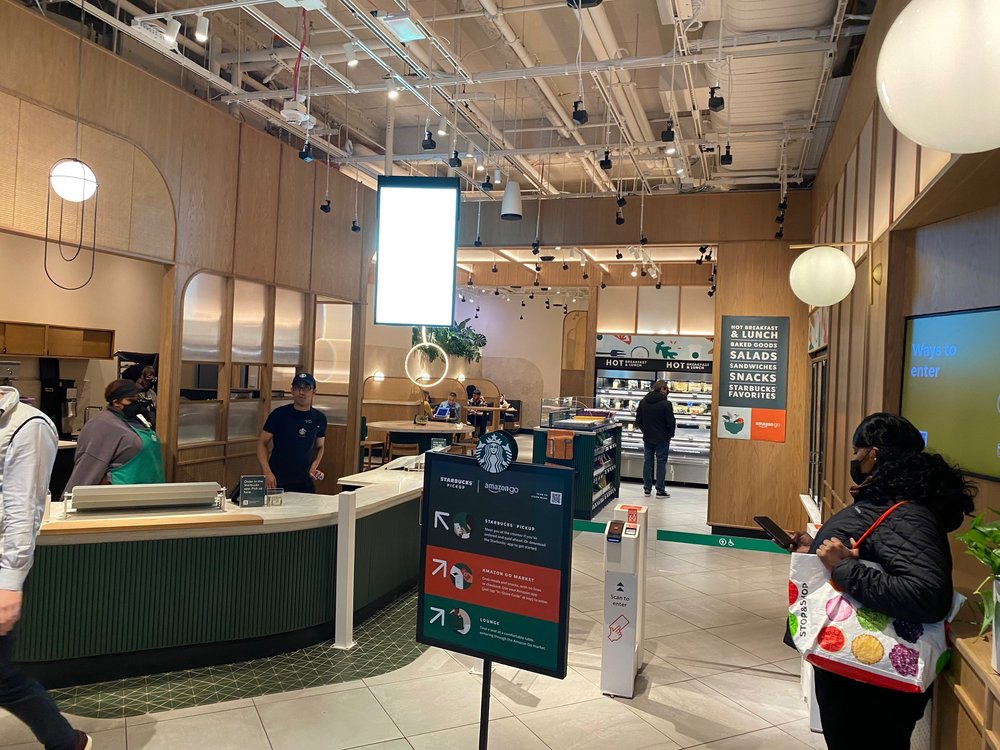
x=777, y=534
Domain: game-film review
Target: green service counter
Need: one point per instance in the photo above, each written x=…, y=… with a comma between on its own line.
x=115, y=595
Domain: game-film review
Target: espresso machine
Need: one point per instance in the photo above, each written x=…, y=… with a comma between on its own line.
x=58, y=396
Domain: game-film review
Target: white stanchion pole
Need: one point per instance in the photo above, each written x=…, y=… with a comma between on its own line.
x=346, y=516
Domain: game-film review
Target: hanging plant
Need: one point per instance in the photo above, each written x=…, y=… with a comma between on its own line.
x=458, y=340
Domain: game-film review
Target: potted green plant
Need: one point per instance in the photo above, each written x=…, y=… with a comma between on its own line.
x=982, y=541
x=458, y=340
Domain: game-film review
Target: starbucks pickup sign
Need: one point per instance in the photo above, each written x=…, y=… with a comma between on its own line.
x=495, y=559
x=753, y=378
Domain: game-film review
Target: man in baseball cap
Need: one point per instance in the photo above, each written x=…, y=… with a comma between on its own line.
x=295, y=433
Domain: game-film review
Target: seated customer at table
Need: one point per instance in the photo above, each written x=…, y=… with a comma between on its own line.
x=118, y=446
x=447, y=410
x=478, y=419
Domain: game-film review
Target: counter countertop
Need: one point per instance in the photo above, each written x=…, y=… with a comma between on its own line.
x=298, y=511
x=401, y=473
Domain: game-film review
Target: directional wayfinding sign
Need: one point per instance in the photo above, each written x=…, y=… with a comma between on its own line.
x=496, y=546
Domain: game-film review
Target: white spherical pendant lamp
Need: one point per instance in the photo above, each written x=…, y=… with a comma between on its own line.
x=510, y=209
x=73, y=180
x=938, y=74
x=822, y=276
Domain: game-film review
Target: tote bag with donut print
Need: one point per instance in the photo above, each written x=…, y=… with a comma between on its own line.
x=836, y=633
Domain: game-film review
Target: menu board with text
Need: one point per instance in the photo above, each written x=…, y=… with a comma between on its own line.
x=495, y=562
x=753, y=378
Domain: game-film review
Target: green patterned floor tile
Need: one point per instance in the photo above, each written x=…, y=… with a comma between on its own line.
x=385, y=642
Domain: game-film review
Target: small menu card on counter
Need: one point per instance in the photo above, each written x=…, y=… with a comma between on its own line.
x=252, y=491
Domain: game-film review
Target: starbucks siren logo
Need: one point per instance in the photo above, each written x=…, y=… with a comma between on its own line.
x=496, y=451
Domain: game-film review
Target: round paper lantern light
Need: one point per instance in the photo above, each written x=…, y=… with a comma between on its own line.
x=822, y=276
x=73, y=180
x=938, y=74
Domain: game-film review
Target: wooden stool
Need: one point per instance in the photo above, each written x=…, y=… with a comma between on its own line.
x=368, y=452
x=403, y=449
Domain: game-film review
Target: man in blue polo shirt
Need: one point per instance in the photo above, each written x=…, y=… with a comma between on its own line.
x=296, y=433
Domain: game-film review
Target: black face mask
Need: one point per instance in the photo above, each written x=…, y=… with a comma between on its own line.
x=859, y=476
x=134, y=409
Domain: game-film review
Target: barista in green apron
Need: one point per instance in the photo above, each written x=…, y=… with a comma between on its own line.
x=118, y=446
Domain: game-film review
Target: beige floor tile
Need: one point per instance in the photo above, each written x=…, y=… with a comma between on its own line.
x=714, y=583
x=584, y=632
x=13, y=732
x=766, y=739
x=433, y=661
x=671, y=565
x=691, y=713
x=329, y=722
x=658, y=621
x=523, y=692
x=763, y=638
x=767, y=691
x=239, y=729
x=434, y=703
x=183, y=713
x=761, y=602
x=109, y=739
x=708, y=612
x=596, y=724
x=667, y=588
x=503, y=733
x=700, y=654
x=654, y=672
x=800, y=730
x=308, y=692
x=792, y=666
x=390, y=745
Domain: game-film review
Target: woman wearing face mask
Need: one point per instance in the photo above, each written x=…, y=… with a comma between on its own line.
x=889, y=465
x=118, y=446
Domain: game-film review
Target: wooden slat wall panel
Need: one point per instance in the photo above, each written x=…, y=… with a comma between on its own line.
x=9, y=116
x=153, y=232
x=753, y=280
x=337, y=251
x=257, y=204
x=43, y=138
x=111, y=158
x=296, y=206
x=207, y=204
x=904, y=187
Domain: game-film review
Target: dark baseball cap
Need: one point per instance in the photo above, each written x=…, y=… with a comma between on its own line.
x=304, y=379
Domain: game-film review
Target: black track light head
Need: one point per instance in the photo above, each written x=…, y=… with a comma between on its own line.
x=783, y=204
x=565, y=266
x=477, y=308
x=306, y=154
x=667, y=135
x=469, y=282
x=604, y=284
x=726, y=159
x=535, y=282
x=659, y=285
x=355, y=227
x=478, y=242
x=487, y=185
x=586, y=275
x=621, y=201
x=325, y=206
x=476, y=316
x=494, y=269
x=580, y=115
x=454, y=161
x=715, y=102
x=703, y=249
x=536, y=247
x=711, y=292
x=643, y=273
x=779, y=219
x=496, y=292
x=428, y=144
x=523, y=303
x=538, y=267
x=619, y=217
x=618, y=254
x=780, y=234
x=643, y=240
x=605, y=163
x=522, y=317
x=699, y=261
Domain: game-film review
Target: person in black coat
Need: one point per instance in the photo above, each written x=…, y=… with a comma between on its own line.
x=889, y=465
x=655, y=417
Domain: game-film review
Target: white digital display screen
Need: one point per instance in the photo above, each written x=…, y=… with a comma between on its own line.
x=416, y=245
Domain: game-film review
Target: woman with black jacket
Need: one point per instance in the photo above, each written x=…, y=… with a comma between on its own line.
x=889, y=465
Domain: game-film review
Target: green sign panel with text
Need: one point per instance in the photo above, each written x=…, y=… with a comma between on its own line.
x=495, y=560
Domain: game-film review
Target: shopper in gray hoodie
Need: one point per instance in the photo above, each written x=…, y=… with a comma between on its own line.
x=655, y=417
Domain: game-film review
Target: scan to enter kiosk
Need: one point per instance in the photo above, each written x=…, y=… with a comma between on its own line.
x=622, y=649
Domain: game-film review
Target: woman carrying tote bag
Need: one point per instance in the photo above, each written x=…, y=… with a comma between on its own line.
x=896, y=564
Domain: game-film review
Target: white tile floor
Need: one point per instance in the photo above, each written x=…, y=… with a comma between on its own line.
x=717, y=675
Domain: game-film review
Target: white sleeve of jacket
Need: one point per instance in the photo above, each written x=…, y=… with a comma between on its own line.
x=27, y=468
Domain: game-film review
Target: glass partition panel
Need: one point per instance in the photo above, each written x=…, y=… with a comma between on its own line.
x=281, y=379
x=333, y=343
x=244, y=418
x=199, y=381
x=198, y=421
x=202, y=315
x=289, y=315
x=249, y=312
x=334, y=407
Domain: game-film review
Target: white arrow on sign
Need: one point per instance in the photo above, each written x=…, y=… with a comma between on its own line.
x=440, y=515
x=441, y=568
x=438, y=614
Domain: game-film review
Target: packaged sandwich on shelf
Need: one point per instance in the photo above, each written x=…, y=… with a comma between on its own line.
x=682, y=409
x=633, y=385
x=694, y=386
x=681, y=386
x=698, y=408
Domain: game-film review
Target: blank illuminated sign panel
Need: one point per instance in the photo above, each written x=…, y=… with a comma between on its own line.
x=416, y=241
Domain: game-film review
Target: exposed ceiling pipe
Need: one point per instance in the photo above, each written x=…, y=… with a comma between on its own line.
x=332, y=53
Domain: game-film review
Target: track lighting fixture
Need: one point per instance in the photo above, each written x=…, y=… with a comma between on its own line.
x=494, y=269
x=547, y=304
x=352, y=56
x=711, y=292
x=618, y=254
x=565, y=266
x=306, y=154
x=443, y=126
x=605, y=163
x=726, y=159
x=522, y=317
x=536, y=247
x=565, y=311
x=390, y=89
x=454, y=161
x=487, y=185
x=642, y=272
x=478, y=242
x=642, y=240
x=538, y=267
x=635, y=271
x=667, y=135
x=621, y=201
x=496, y=176
x=476, y=316
x=173, y=29
x=461, y=297
x=580, y=115
x=780, y=233
x=531, y=296
x=479, y=163
x=469, y=282
x=201, y=29
x=659, y=285
x=715, y=102
x=783, y=204
x=523, y=303
x=653, y=272
x=703, y=249
x=585, y=274
x=699, y=261
x=477, y=308
x=604, y=284
x=779, y=219
x=428, y=143
x=325, y=206
x=496, y=292
x=355, y=227
x=508, y=299
x=619, y=217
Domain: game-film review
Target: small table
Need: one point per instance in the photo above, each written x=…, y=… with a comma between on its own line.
x=408, y=433
x=494, y=416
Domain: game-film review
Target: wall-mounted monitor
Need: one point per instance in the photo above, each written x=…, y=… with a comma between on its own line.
x=416, y=243
x=951, y=386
